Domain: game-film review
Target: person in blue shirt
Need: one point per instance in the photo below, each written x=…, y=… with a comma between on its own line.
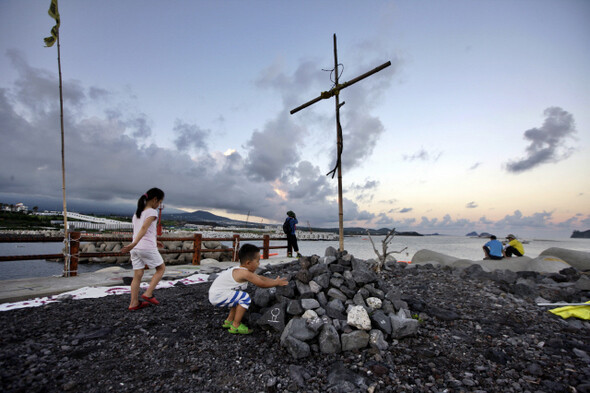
x=493, y=249
x=291, y=237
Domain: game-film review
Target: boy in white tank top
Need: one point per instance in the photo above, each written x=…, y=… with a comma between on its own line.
x=228, y=288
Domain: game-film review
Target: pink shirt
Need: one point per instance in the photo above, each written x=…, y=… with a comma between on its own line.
x=149, y=240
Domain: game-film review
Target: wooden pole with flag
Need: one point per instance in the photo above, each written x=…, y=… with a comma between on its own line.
x=49, y=41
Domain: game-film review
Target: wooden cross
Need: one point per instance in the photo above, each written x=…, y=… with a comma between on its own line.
x=334, y=92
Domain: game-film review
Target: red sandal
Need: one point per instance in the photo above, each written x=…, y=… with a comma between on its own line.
x=152, y=299
x=140, y=305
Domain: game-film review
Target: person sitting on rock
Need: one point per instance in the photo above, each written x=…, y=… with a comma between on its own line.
x=514, y=247
x=228, y=288
x=493, y=249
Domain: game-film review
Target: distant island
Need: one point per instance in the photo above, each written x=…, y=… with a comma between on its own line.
x=581, y=234
x=474, y=234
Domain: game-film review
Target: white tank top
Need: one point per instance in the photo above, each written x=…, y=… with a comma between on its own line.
x=225, y=282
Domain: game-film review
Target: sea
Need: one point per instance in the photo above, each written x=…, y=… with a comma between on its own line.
x=359, y=246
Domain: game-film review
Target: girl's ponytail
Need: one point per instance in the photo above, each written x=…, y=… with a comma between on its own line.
x=142, y=201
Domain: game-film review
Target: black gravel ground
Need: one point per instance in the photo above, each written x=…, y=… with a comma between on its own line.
x=475, y=336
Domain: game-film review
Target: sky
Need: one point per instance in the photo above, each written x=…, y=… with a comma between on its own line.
x=481, y=123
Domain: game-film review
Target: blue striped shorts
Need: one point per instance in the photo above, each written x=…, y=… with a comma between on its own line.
x=231, y=299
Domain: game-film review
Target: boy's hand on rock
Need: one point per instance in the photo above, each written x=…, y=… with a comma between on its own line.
x=281, y=281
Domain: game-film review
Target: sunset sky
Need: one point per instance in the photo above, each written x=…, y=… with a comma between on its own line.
x=482, y=123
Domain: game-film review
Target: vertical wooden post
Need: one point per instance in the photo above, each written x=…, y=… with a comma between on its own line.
x=265, y=246
x=197, y=248
x=75, y=252
x=236, y=247
x=339, y=148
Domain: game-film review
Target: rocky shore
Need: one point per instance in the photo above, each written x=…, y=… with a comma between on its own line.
x=473, y=331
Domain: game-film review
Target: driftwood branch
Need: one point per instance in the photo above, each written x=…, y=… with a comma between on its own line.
x=384, y=245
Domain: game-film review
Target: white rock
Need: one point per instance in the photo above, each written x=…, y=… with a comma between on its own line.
x=374, y=302
x=359, y=318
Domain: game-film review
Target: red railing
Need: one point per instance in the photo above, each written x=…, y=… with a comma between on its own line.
x=75, y=238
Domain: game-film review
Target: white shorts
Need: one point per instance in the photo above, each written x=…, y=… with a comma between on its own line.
x=142, y=258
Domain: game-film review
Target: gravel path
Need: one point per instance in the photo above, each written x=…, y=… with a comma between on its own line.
x=475, y=336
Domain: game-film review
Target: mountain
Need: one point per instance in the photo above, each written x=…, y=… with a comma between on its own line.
x=205, y=218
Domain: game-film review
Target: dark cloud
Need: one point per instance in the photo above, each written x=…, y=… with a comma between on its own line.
x=474, y=166
x=406, y=210
x=471, y=205
x=110, y=163
x=190, y=136
x=423, y=155
x=273, y=149
x=547, y=143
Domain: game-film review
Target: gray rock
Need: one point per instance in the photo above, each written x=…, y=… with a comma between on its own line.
x=315, y=287
x=323, y=280
x=504, y=276
x=304, y=276
x=578, y=259
x=357, y=339
x=330, y=259
x=303, y=288
x=287, y=290
x=381, y=321
x=273, y=317
x=336, y=282
x=309, y=314
x=331, y=252
x=402, y=326
x=329, y=340
x=337, y=294
x=315, y=324
x=297, y=328
x=364, y=277
x=377, y=340
x=296, y=348
x=261, y=297
x=321, y=297
x=335, y=309
x=309, y=304
x=583, y=283
x=318, y=269
x=358, y=300
x=294, y=307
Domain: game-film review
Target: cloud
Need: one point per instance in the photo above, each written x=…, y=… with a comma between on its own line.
x=406, y=210
x=364, y=192
x=471, y=205
x=110, y=163
x=474, y=166
x=190, y=136
x=547, y=143
x=423, y=155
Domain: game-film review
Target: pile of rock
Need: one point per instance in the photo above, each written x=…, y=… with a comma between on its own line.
x=171, y=259
x=332, y=304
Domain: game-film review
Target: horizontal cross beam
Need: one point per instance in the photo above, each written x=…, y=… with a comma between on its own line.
x=336, y=89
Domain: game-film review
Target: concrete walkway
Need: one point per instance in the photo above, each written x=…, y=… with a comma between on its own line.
x=31, y=288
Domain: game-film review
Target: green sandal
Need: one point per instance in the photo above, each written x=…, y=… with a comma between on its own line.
x=242, y=329
x=226, y=324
